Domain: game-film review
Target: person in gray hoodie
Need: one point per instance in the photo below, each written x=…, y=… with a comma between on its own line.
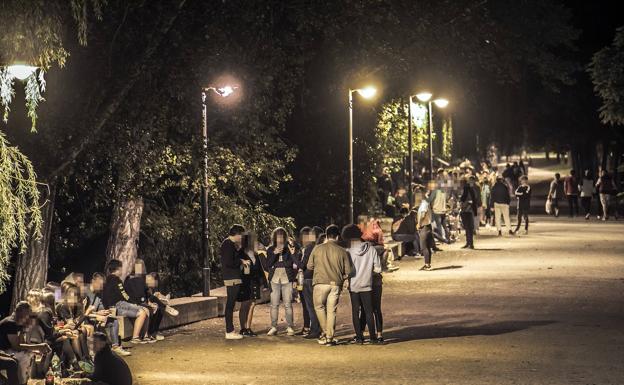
x=365, y=260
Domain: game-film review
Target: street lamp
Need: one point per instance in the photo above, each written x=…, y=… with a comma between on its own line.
x=224, y=92
x=366, y=93
x=21, y=71
x=425, y=97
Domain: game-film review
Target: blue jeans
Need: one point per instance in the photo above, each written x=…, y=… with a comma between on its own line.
x=112, y=329
x=315, y=327
x=127, y=309
x=285, y=292
x=440, y=230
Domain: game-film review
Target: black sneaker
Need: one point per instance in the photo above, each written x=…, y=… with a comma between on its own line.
x=465, y=246
x=426, y=268
x=251, y=333
x=500, y=233
x=377, y=341
x=357, y=341
x=312, y=337
x=331, y=342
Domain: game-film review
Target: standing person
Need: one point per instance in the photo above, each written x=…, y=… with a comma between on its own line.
x=331, y=266
x=231, y=263
x=571, y=190
x=283, y=268
x=309, y=237
x=523, y=193
x=437, y=202
x=555, y=193
x=486, y=192
x=253, y=280
x=109, y=368
x=468, y=211
x=427, y=243
x=472, y=181
x=385, y=190
x=500, y=200
x=606, y=187
x=365, y=261
x=114, y=295
x=12, y=342
x=587, y=191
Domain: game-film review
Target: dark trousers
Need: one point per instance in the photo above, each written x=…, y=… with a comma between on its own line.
x=362, y=301
x=376, y=297
x=555, y=206
x=155, y=319
x=586, y=203
x=9, y=365
x=467, y=219
x=426, y=242
x=315, y=327
x=523, y=213
x=304, y=309
x=232, y=294
x=412, y=239
x=573, y=208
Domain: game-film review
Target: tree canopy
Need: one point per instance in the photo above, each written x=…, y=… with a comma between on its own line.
x=607, y=73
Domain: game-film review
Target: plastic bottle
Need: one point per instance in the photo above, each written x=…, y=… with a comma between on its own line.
x=300, y=280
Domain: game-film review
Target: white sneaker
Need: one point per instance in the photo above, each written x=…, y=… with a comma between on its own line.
x=171, y=311
x=159, y=337
x=233, y=336
x=121, y=351
x=272, y=332
x=290, y=331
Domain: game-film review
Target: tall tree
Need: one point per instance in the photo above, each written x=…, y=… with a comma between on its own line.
x=607, y=73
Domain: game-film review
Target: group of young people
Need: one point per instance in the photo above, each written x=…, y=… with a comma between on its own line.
x=317, y=267
x=571, y=188
x=71, y=329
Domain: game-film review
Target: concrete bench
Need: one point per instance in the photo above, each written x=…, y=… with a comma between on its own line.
x=192, y=309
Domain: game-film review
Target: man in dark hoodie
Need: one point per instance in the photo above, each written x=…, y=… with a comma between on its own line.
x=109, y=368
x=308, y=241
x=231, y=269
x=500, y=200
x=523, y=193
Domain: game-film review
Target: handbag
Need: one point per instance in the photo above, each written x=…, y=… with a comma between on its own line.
x=548, y=206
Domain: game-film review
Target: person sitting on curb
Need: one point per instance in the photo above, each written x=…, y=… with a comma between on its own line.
x=109, y=368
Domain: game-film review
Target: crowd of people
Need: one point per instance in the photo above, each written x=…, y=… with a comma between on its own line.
x=71, y=329
x=571, y=188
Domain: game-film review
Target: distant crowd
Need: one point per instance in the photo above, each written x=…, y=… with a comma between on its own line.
x=71, y=329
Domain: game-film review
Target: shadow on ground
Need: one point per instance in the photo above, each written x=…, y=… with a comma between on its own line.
x=424, y=332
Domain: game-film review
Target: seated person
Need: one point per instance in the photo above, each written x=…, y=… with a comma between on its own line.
x=9, y=365
x=114, y=295
x=71, y=312
x=58, y=339
x=136, y=287
x=12, y=341
x=110, y=369
x=100, y=316
x=404, y=231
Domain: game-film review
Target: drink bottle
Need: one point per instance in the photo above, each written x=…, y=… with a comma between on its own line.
x=300, y=280
x=49, y=378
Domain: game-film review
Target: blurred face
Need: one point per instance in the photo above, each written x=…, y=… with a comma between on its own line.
x=23, y=317
x=98, y=345
x=71, y=297
x=238, y=238
x=432, y=185
x=97, y=285
x=138, y=269
x=280, y=239
x=151, y=282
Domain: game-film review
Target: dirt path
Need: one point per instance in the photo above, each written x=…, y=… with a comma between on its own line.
x=546, y=308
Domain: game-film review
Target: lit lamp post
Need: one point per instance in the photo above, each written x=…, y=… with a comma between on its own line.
x=224, y=92
x=425, y=97
x=366, y=93
x=21, y=71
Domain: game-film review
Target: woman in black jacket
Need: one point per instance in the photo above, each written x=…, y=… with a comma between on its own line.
x=282, y=267
x=253, y=280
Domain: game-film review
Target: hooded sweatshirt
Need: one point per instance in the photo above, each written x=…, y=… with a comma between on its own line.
x=365, y=260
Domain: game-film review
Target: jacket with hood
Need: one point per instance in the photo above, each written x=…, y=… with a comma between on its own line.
x=500, y=193
x=365, y=261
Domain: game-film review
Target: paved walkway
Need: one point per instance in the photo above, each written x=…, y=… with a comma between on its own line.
x=546, y=308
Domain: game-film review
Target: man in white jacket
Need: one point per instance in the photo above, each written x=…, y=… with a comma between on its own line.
x=365, y=260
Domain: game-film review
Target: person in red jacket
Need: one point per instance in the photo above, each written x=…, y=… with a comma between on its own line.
x=570, y=186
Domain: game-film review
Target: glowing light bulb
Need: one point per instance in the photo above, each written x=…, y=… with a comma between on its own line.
x=441, y=103
x=21, y=71
x=367, y=92
x=424, y=96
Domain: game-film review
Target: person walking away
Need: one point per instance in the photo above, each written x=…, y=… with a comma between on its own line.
x=309, y=237
x=555, y=193
x=606, y=187
x=404, y=231
x=586, y=188
x=253, y=280
x=114, y=295
x=365, y=261
x=12, y=329
x=425, y=233
x=283, y=268
x=331, y=266
x=437, y=202
x=109, y=368
x=231, y=263
x=523, y=193
x=468, y=210
x=500, y=200
x=570, y=186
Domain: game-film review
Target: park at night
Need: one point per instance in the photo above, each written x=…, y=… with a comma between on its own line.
x=314, y=192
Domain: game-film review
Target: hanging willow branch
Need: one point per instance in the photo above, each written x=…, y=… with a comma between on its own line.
x=20, y=214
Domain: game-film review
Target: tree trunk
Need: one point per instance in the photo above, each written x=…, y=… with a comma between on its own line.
x=31, y=268
x=123, y=240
